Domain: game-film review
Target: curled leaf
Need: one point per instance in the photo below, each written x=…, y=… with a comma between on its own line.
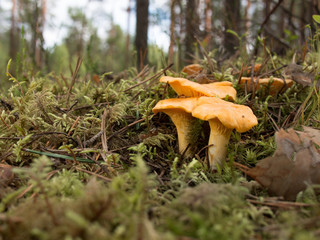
x=294, y=165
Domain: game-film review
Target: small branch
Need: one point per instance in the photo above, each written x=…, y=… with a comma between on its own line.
x=206, y=55
x=74, y=76
x=150, y=78
x=255, y=52
x=92, y=139
x=103, y=130
x=94, y=174
x=280, y=204
x=4, y=123
x=126, y=127
x=73, y=126
x=269, y=14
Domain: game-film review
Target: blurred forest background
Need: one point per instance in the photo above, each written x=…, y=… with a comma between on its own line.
x=223, y=28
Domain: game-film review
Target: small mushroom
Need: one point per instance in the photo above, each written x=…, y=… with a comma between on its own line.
x=187, y=88
x=256, y=68
x=223, y=117
x=192, y=69
x=275, y=85
x=179, y=110
x=197, y=72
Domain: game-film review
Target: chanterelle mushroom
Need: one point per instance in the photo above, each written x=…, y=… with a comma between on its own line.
x=187, y=88
x=179, y=110
x=192, y=69
x=275, y=85
x=223, y=117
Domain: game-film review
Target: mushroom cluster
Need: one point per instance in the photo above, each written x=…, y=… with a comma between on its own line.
x=204, y=101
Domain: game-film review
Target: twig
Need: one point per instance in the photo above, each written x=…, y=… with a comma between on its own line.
x=2, y=120
x=240, y=75
x=72, y=153
x=272, y=71
x=274, y=122
x=92, y=139
x=64, y=80
x=280, y=204
x=255, y=52
x=74, y=124
x=89, y=106
x=211, y=65
x=103, y=167
x=74, y=104
x=74, y=76
x=150, y=78
x=126, y=127
x=241, y=167
x=94, y=174
x=103, y=130
x=142, y=72
x=39, y=135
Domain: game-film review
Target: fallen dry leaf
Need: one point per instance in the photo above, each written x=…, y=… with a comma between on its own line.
x=296, y=73
x=294, y=165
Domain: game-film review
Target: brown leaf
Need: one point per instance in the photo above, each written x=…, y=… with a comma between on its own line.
x=294, y=165
x=296, y=73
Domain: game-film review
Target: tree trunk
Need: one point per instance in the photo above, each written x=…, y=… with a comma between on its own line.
x=208, y=23
x=13, y=32
x=247, y=21
x=302, y=22
x=37, y=38
x=266, y=11
x=192, y=23
x=127, y=59
x=141, y=41
x=172, y=33
x=231, y=21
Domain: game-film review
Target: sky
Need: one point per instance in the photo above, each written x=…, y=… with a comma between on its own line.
x=57, y=18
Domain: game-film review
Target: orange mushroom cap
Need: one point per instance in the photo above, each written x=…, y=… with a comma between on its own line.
x=179, y=110
x=185, y=87
x=256, y=68
x=275, y=85
x=232, y=116
x=223, y=117
x=192, y=69
x=185, y=104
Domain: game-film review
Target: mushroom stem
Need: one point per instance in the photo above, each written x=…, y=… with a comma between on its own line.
x=183, y=122
x=218, y=142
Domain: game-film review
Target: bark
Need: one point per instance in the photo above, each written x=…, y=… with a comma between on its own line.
x=231, y=21
x=266, y=11
x=265, y=23
x=141, y=41
x=127, y=60
x=13, y=32
x=302, y=22
x=208, y=15
x=37, y=38
x=191, y=30
x=247, y=21
x=172, y=32
x=35, y=32
x=208, y=23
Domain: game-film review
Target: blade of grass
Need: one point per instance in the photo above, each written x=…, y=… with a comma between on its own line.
x=83, y=160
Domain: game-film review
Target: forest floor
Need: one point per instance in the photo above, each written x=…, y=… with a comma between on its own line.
x=86, y=158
